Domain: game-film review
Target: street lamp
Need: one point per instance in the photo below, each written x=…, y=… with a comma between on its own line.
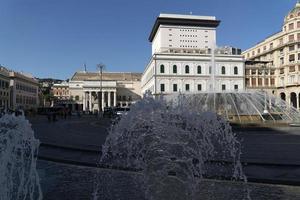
x=264, y=67
x=100, y=68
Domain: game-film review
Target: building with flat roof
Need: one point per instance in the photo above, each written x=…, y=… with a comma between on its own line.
x=280, y=53
x=24, y=91
x=183, y=53
x=89, y=91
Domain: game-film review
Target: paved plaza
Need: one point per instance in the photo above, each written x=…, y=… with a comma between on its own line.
x=70, y=149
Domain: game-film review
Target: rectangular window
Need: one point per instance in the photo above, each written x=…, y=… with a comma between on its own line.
x=223, y=87
x=199, y=87
x=292, y=48
x=272, y=81
x=291, y=38
x=266, y=82
x=292, y=58
x=253, y=81
x=187, y=87
x=291, y=26
x=162, y=87
x=174, y=87
x=281, y=61
x=236, y=87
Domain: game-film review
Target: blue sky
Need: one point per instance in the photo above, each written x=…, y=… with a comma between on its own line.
x=54, y=38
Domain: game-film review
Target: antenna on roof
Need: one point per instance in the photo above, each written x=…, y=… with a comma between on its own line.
x=84, y=66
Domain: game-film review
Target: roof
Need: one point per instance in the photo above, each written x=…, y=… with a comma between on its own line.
x=295, y=10
x=106, y=76
x=183, y=20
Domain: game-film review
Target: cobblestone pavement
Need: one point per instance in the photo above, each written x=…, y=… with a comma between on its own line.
x=69, y=182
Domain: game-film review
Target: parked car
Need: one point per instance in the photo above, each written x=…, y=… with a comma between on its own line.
x=121, y=111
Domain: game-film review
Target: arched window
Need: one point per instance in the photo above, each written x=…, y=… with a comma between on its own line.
x=174, y=69
x=199, y=69
x=76, y=98
x=209, y=70
x=223, y=70
x=235, y=70
x=162, y=69
x=187, y=69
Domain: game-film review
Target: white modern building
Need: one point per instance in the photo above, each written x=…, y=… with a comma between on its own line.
x=182, y=58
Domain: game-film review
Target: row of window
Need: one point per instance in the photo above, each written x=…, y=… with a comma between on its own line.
x=199, y=69
x=187, y=30
x=187, y=87
x=26, y=88
x=188, y=40
x=259, y=82
x=25, y=100
x=4, y=94
x=119, y=98
x=3, y=103
x=4, y=84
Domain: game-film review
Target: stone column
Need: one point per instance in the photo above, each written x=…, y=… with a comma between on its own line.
x=115, y=99
x=90, y=99
x=84, y=101
x=108, y=99
x=297, y=97
x=102, y=100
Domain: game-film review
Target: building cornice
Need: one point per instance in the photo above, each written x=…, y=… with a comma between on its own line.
x=182, y=22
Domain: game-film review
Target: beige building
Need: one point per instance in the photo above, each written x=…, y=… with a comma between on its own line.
x=87, y=91
x=277, y=58
x=24, y=91
x=4, y=89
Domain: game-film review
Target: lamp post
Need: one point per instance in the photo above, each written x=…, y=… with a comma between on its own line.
x=265, y=92
x=100, y=68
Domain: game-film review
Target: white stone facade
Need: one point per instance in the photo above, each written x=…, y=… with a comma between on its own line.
x=86, y=91
x=182, y=58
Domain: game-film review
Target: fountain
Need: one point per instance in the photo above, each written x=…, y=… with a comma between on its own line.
x=244, y=107
x=176, y=141
x=18, y=154
x=174, y=146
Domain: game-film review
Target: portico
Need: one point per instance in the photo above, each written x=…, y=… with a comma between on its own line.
x=95, y=99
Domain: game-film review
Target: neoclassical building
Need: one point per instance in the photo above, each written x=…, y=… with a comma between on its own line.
x=89, y=91
x=274, y=63
x=182, y=57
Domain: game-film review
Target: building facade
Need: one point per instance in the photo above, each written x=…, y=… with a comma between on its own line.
x=183, y=53
x=280, y=53
x=23, y=91
x=89, y=91
x=4, y=89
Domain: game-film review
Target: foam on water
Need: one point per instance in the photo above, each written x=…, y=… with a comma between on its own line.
x=174, y=146
x=18, y=155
